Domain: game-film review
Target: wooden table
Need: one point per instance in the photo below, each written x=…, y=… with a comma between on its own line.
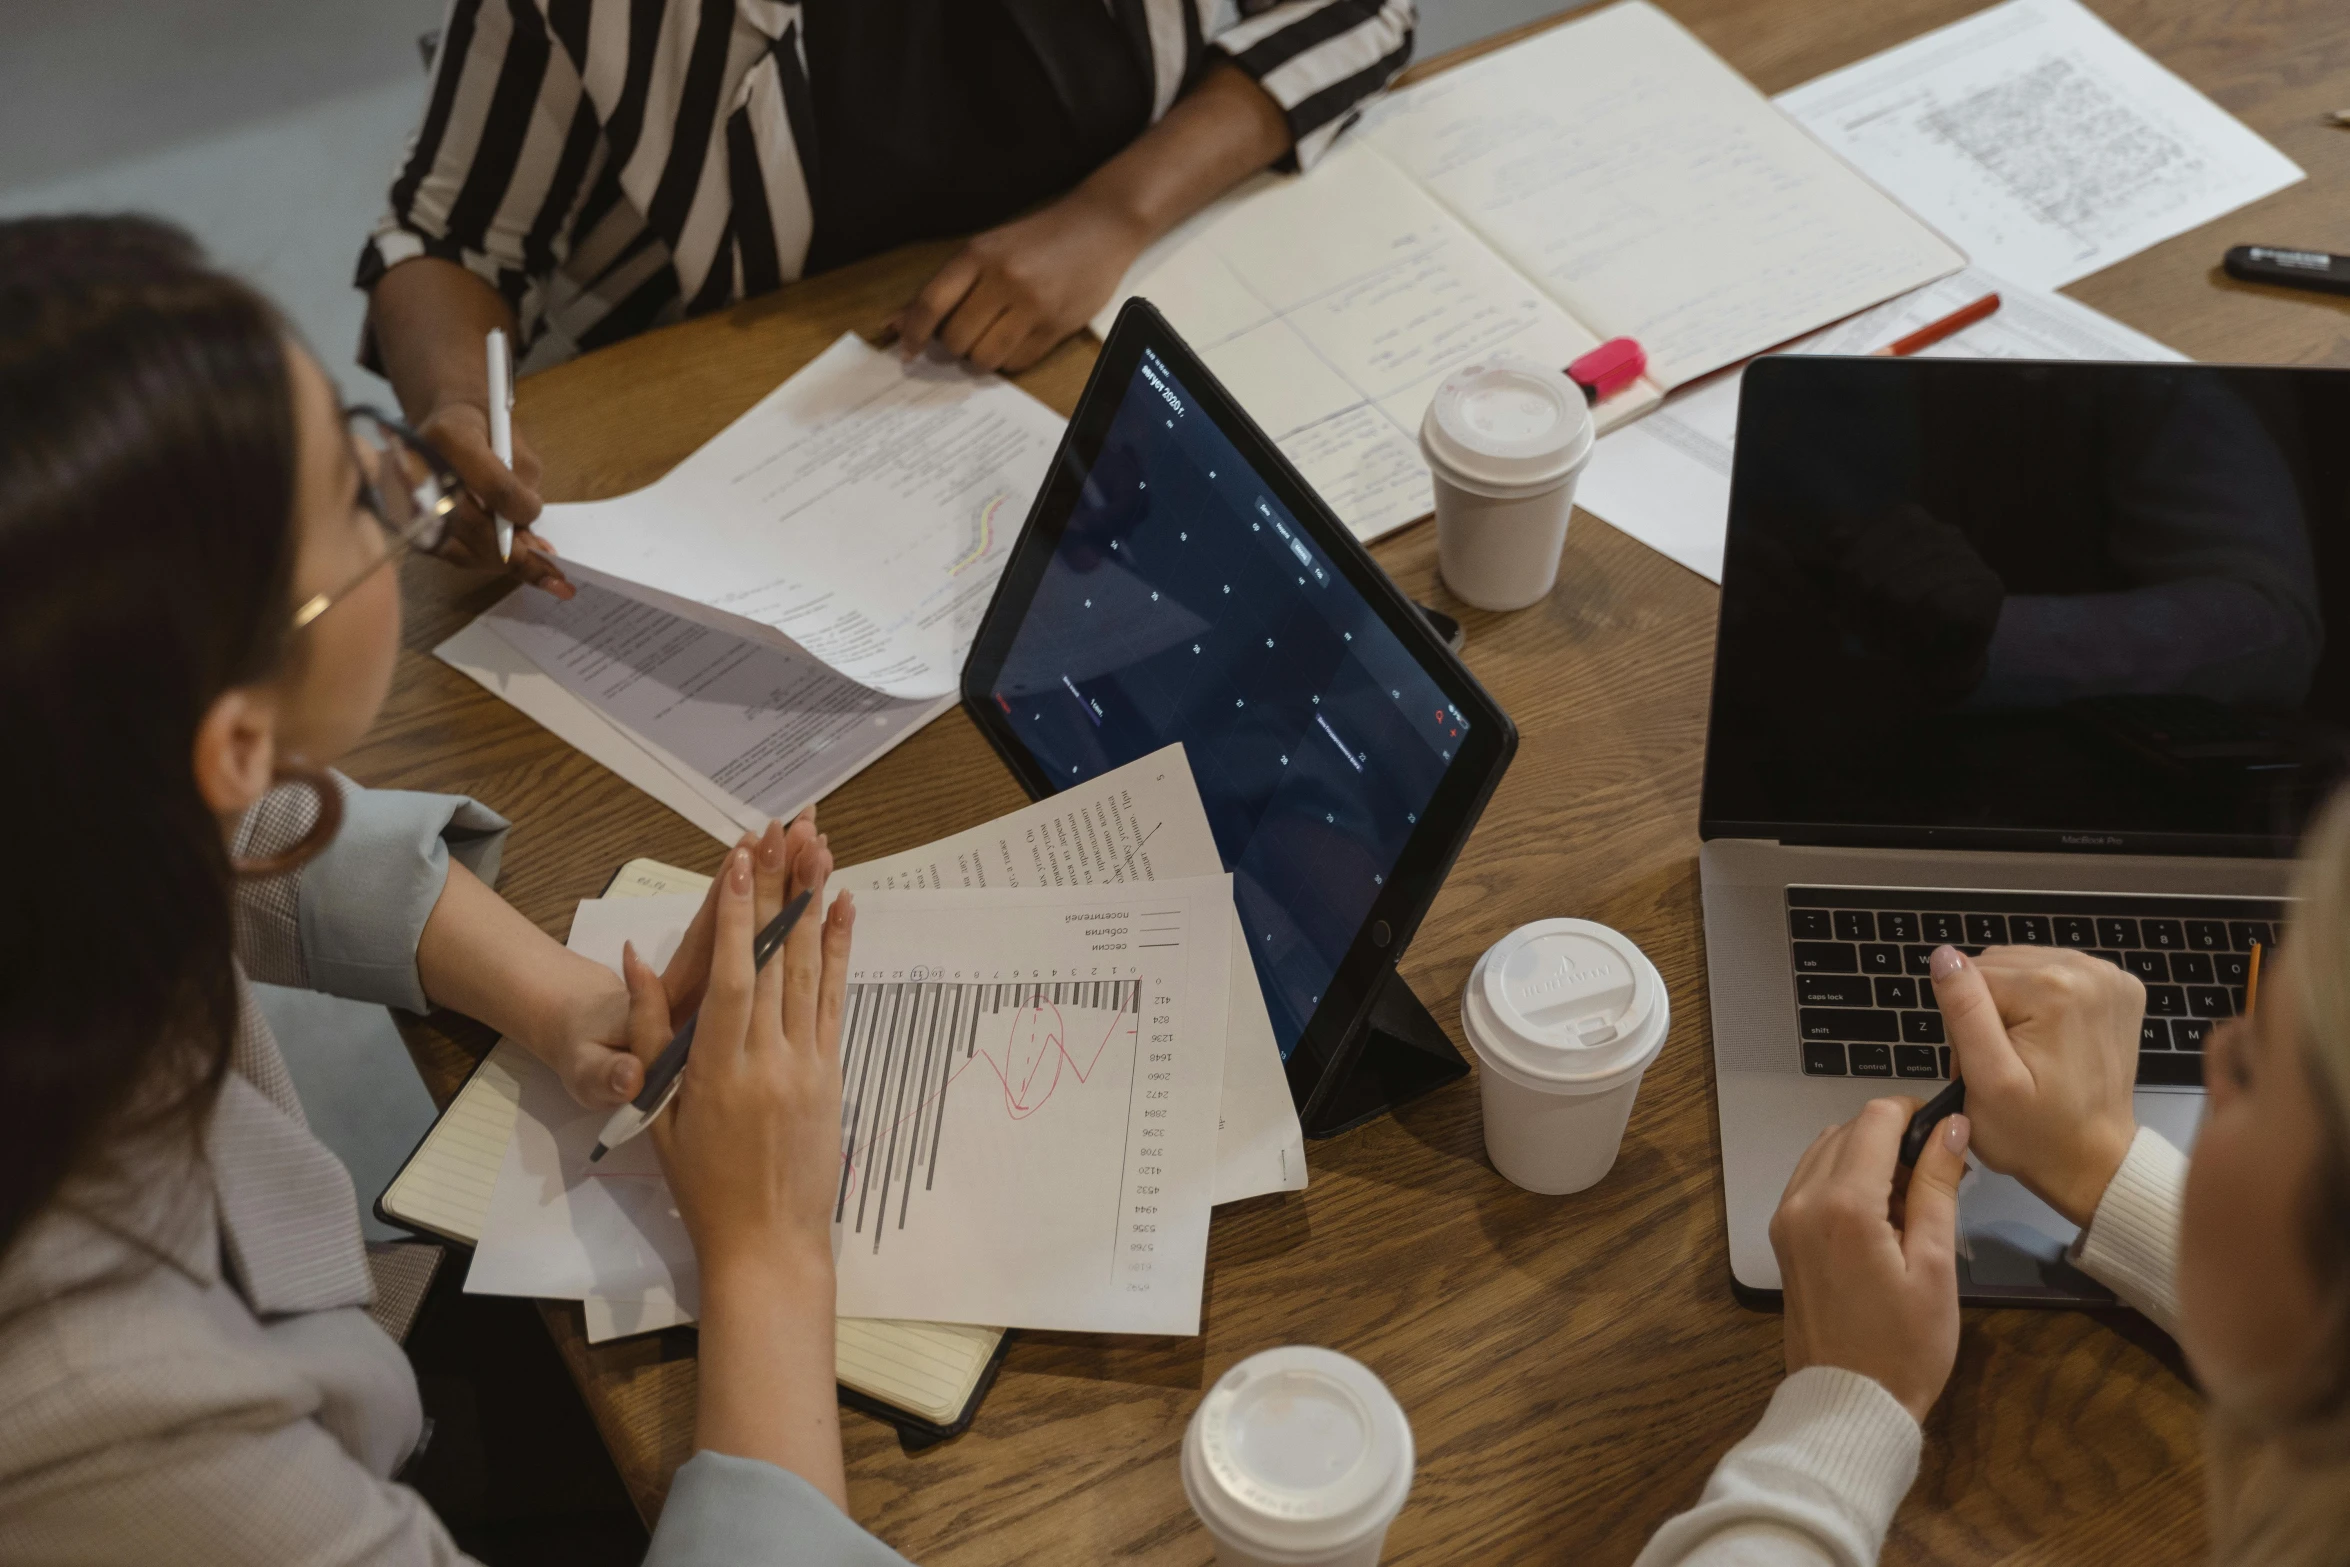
x=1572, y=1366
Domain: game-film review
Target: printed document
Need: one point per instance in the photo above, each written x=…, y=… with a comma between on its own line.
x=1028, y=1117
x=1031, y=1082
x=859, y=514
x=767, y=728
x=2040, y=139
x=1609, y=177
x=1140, y=822
x=480, y=654
x=1666, y=480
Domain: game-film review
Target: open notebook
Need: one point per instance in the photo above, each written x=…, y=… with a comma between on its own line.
x=926, y=1377
x=1610, y=177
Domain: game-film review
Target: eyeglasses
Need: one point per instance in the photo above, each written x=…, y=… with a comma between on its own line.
x=407, y=486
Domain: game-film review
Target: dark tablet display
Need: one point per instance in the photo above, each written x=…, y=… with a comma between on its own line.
x=1177, y=582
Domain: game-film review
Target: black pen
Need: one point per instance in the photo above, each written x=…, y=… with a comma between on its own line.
x=1930, y=1115
x=668, y=1068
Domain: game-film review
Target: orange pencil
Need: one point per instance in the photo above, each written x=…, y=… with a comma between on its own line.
x=2252, y=981
x=1934, y=331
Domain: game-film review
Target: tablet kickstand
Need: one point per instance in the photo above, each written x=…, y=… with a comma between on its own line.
x=1403, y=1054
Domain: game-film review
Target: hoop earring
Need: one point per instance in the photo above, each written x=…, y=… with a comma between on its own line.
x=321, y=833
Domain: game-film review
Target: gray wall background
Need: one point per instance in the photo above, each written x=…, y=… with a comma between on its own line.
x=269, y=128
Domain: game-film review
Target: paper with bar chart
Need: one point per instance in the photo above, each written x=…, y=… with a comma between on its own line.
x=1030, y=1083
x=1138, y=822
x=1029, y=1086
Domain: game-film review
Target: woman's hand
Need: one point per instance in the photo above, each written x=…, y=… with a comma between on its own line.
x=460, y=431
x=2047, y=1040
x=1869, y=1266
x=586, y=1040
x=751, y=1144
x=430, y=319
x=1009, y=295
x=479, y=956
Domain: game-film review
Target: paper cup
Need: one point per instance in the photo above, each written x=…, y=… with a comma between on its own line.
x=1298, y=1457
x=1505, y=440
x=1565, y=1016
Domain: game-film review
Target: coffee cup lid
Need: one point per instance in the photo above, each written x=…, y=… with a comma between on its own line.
x=1506, y=425
x=1298, y=1450
x=1566, y=1005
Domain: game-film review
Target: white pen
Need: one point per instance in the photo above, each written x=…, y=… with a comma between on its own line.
x=502, y=423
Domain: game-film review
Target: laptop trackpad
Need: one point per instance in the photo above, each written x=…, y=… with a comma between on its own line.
x=2011, y=1243
x=2008, y=1255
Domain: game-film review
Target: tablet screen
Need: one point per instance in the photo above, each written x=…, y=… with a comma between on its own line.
x=1184, y=603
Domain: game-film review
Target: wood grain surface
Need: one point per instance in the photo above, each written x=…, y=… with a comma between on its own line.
x=1572, y=1366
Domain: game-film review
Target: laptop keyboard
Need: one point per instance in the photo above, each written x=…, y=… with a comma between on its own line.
x=1865, y=1006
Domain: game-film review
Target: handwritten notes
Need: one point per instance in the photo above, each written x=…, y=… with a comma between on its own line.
x=2040, y=139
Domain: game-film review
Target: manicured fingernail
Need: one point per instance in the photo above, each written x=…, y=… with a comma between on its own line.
x=771, y=851
x=738, y=871
x=1947, y=961
x=1955, y=1132
x=618, y=1077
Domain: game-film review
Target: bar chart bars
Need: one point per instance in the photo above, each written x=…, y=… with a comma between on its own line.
x=908, y=1044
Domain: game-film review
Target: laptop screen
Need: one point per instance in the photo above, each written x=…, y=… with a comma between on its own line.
x=1997, y=603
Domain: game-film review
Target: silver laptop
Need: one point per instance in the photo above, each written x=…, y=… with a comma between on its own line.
x=2010, y=652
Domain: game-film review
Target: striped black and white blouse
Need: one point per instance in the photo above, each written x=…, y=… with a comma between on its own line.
x=608, y=165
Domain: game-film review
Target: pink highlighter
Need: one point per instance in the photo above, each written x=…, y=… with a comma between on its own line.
x=1612, y=366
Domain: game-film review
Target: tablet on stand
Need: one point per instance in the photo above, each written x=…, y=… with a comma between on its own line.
x=1177, y=580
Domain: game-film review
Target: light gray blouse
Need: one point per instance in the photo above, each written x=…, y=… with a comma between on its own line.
x=187, y=1369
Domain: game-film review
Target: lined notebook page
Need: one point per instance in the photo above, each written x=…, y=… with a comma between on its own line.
x=445, y=1186
x=652, y=879
x=1652, y=191
x=925, y=1368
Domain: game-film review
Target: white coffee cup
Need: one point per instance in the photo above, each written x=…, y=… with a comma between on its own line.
x=1298, y=1457
x=1564, y=1015
x=1506, y=439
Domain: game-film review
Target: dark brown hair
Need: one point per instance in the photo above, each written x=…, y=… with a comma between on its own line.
x=147, y=452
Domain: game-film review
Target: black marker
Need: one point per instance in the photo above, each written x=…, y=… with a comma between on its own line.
x=1930, y=1115
x=2318, y=270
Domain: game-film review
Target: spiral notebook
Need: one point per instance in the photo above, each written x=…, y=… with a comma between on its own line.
x=927, y=1378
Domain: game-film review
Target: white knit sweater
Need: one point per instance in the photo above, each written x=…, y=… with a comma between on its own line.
x=1819, y=1477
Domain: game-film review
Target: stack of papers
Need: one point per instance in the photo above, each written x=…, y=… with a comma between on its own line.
x=928, y=1369
x=2040, y=140
x=788, y=603
x=1056, y=1060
